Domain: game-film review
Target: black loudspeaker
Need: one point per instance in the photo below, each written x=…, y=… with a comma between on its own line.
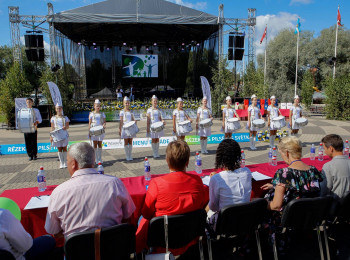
x=35, y=54
x=230, y=41
x=239, y=42
x=238, y=54
x=34, y=41
x=230, y=54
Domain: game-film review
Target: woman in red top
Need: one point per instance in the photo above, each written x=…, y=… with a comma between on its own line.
x=175, y=193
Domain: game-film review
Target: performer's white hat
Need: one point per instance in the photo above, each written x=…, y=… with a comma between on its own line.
x=272, y=97
x=205, y=97
x=296, y=96
x=126, y=98
x=97, y=101
x=228, y=98
x=253, y=96
x=58, y=105
x=179, y=100
x=154, y=97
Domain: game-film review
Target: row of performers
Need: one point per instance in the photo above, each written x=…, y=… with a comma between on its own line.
x=155, y=126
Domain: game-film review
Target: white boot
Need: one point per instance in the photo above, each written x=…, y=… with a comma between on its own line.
x=130, y=152
x=205, y=145
x=154, y=150
x=272, y=140
x=96, y=155
x=202, y=146
x=60, y=156
x=100, y=154
x=251, y=142
x=254, y=137
x=64, y=159
x=157, y=150
x=126, y=148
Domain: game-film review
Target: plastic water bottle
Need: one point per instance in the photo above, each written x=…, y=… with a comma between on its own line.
x=147, y=170
x=320, y=152
x=274, y=157
x=242, y=159
x=198, y=163
x=312, y=152
x=270, y=156
x=346, y=149
x=41, y=179
x=100, y=168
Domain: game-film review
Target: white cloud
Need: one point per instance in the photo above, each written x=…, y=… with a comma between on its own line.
x=275, y=23
x=197, y=5
x=300, y=2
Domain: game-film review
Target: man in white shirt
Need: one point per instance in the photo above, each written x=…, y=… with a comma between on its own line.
x=88, y=200
x=14, y=239
x=31, y=138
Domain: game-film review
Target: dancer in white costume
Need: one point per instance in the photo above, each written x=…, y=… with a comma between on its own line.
x=295, y=113
x=125, y=117
x=203, y=112
x=253, y=113
x=228, y=113
x=60, y=122
x=154, y=115
x=272, y=112
x=96, y=118
x=179, y=115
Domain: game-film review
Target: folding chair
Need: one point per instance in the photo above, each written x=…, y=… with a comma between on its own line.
x=182, y=229
x=117, y=242
x=306, y=214
x=240, y=219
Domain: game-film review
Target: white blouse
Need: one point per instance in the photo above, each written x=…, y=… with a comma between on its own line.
x=203, y=113
x=180, y=115
x=154, y=114
x=254, y=112
x=229, y=113
x=59, y=122
x=127, y=116
x=273, y=111
x=96, y=119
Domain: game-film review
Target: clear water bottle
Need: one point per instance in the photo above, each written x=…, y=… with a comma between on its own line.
x=312, y=152
x=198, y=163
x=320, y=152
x=242, y=159
x=270, y=156
x=274, y=157
x=41, y=177
x=100, y=168
x=346, y=148
x=147, y=170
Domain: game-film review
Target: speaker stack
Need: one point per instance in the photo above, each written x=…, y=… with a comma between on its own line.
x=34, y=47
x=235, y=47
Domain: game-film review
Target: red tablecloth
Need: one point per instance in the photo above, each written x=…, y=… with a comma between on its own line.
x=243, y=113
x=34, y=220
x=285, y=112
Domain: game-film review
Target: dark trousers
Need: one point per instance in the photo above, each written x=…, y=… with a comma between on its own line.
x=31, y=143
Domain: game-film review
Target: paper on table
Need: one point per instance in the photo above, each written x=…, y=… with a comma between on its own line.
x=206, y=180
x=259, y=176
x=38, y=202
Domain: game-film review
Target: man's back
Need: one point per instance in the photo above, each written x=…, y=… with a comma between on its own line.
x=88, y=200
x=337, y=173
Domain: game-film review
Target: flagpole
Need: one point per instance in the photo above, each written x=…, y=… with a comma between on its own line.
x=296, y=66
x=265, y=60
x=335, y=48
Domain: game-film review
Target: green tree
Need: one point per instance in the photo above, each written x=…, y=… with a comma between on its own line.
x=254, y=82
x=307, y=90
x=222, y=81
x=338, y=97
x=6, y=60
x=14, y=85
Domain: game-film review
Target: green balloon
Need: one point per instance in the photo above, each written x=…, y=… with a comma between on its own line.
x=10, y=205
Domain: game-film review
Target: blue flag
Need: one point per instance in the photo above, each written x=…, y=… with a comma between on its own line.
x=297, y=28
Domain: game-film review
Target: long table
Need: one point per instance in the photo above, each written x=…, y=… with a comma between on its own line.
x=33, y=220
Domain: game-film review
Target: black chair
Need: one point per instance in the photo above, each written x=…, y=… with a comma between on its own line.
x=343, y=209
x=182, y=229
x=240, y=219
x=306, y=214
x=117, y=242
x=6, y=255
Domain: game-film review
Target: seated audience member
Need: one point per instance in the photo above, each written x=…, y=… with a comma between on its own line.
x=14, y=239
x=88, y=200
x=175, y=193
x=337, y=171
x=298, y=180
x=233, y=184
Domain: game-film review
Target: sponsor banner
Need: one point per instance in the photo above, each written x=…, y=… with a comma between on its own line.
x=55, y=93
x=119, y=143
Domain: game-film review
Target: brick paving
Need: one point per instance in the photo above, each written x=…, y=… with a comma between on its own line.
x=17, y=172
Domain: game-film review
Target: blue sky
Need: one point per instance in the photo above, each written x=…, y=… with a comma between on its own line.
x=278, y=14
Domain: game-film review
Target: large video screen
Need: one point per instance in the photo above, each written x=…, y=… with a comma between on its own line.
x=140, y=66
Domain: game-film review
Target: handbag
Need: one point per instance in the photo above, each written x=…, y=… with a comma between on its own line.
x=167, y=255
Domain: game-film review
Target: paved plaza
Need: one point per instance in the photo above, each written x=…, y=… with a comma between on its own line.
x=17, y=172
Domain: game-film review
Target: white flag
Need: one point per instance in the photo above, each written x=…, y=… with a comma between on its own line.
x=55, y=93
x=206, y=90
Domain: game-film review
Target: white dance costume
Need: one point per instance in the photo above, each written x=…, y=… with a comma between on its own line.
x=273, y=114
x=155, y=116
x=97, y=120
x=204, y=114
x=254, y=114
x=180, y=116
x=296, y=113
x=229, y=113
x=60, y=122
x=127, y=117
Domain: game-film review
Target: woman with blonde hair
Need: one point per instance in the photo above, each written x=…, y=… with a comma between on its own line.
x=253, y=114
x=295, y=113
x=203, y=112
x=272, y=112
x=179, y=115
x=227, y=113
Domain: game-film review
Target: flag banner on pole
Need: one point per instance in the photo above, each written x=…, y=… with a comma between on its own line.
x=297, y=28
x=55, y=93
x=264, y=35
x=206, y=90
x=339, y=18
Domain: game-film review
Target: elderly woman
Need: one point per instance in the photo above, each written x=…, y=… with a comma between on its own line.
x=175, y=193
x=298, y=180
x=233, y=184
